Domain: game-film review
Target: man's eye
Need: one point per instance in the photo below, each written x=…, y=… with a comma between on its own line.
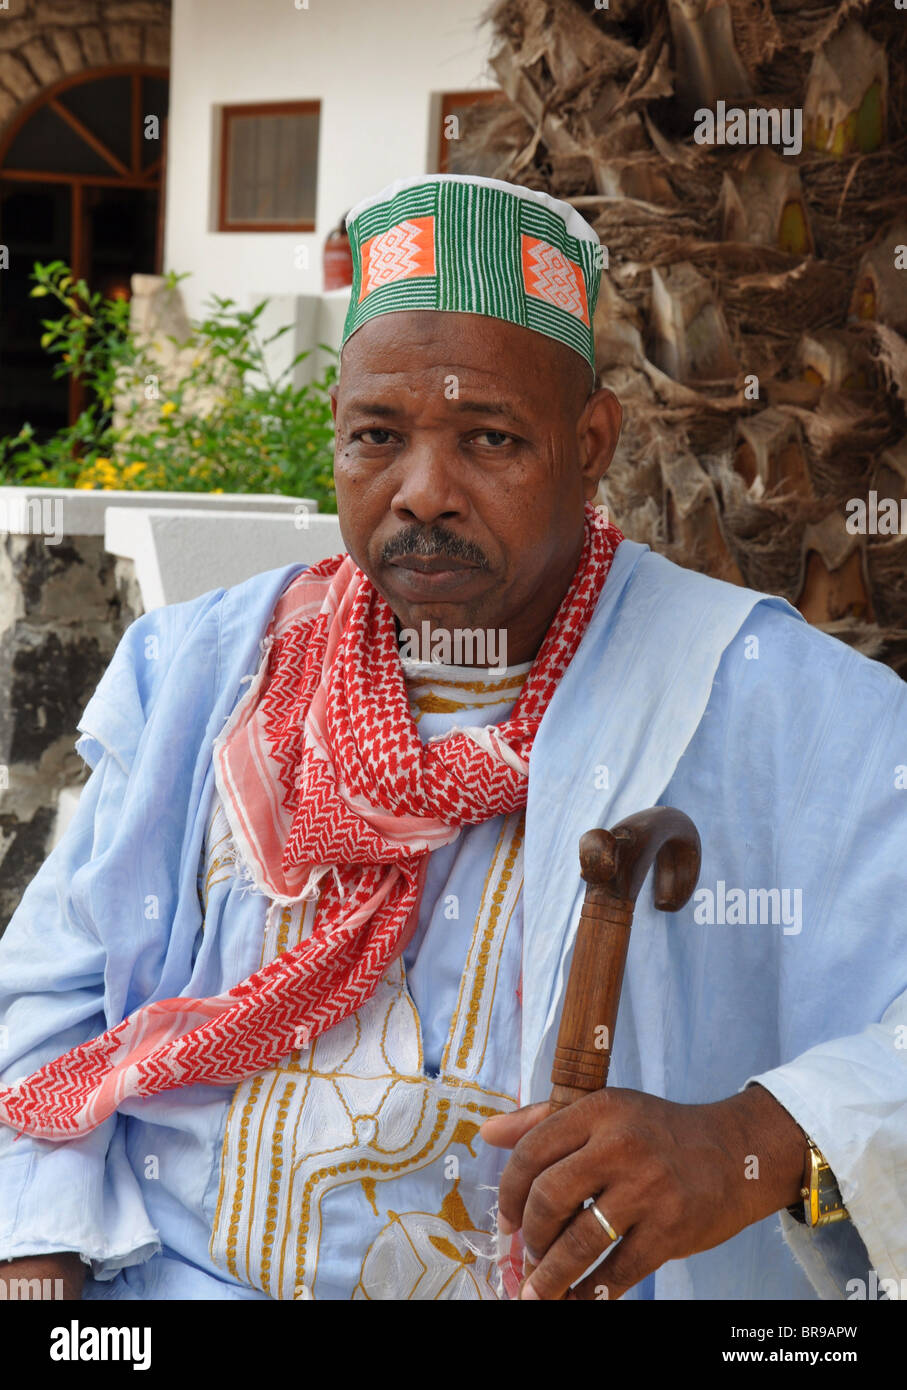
x=373, y=436
x=494, y=439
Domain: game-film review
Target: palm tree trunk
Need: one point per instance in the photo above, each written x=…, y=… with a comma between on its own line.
x=753, y=315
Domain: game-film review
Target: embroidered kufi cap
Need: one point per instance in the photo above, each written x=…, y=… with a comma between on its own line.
x=476, y=246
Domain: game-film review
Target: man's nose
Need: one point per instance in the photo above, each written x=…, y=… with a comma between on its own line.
x=430, y=484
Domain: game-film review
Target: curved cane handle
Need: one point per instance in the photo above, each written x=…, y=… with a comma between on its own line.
x=614, y=864
x=619, y=859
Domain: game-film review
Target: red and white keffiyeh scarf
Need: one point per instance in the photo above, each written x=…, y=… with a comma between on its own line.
x=323, y=777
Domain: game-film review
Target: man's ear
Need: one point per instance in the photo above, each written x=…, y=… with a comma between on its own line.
x=598, y=431
x=333, y=395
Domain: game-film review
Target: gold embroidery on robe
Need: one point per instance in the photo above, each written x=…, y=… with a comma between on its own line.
x=357, y=1108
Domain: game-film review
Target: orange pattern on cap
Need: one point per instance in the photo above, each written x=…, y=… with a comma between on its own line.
x=400, y=253
x=550, y=275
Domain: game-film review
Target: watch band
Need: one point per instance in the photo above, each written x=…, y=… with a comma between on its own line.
x=822, y=1202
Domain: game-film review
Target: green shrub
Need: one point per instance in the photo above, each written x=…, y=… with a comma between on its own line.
x=226, y=425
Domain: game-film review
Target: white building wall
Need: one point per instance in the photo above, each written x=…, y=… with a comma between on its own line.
x=373, y=64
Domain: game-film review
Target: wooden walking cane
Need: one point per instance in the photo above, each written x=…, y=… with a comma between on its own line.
x=614, y=864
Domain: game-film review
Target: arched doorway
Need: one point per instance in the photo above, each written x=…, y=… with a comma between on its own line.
x=81, y=176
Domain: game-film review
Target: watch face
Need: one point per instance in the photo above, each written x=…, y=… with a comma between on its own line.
x=822, y=1201
x=826, y=1197
x=828, y=1190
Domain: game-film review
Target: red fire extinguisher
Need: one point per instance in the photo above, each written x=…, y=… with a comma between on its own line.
x=338, y=259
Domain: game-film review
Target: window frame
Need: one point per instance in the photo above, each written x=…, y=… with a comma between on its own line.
x=228, y=113
x=140, y=175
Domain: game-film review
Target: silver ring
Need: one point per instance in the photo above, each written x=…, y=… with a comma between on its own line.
x=604, y=1223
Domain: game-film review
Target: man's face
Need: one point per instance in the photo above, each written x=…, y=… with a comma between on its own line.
x=465, y=450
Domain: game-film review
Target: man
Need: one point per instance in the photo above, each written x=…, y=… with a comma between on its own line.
x=302, y=952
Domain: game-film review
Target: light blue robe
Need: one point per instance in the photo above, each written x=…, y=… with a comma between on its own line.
x=786, y=748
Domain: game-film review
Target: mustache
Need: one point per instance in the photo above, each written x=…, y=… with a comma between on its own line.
x=437, y=541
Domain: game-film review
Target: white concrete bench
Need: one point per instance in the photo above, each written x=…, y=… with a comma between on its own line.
x=71, y=511
x=181, y=553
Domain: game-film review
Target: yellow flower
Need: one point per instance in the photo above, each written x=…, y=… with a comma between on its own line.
x=103, y=473
x=168, y=407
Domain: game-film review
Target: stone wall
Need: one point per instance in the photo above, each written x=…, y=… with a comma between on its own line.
x=42, y=41
x=63, y=609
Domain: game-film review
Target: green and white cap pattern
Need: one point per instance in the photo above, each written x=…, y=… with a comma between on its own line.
x=476, y=246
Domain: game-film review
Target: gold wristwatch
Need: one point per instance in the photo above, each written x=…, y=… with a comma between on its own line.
x=821, y=1198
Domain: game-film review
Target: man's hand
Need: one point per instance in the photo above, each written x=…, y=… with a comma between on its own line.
x=67, y=1267
x=670, y=1179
